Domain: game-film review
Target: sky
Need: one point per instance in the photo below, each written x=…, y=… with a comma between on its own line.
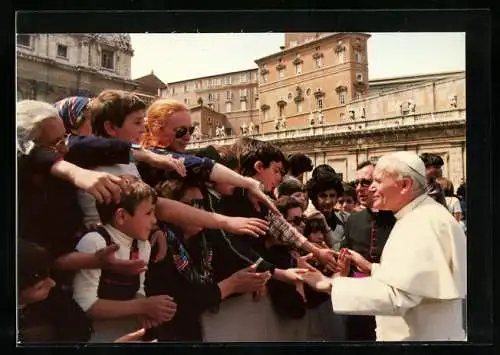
x=182, y=56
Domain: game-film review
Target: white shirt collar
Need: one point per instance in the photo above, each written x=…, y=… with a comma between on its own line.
x=121, y=238
x=410, y=206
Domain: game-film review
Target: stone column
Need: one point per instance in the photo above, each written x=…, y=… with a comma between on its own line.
x=351, y=166
x=455, y=168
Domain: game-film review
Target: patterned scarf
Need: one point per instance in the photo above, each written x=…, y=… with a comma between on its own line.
x=201, y=274
x=71, y=109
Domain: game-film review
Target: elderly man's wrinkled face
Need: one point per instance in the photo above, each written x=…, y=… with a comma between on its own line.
x=388, y=193
x=52, y=135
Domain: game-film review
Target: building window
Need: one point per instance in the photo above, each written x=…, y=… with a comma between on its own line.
x=281, y=73
x=186, y=89
x=228, y=106
x=281, y=110
x=243, y=93
x=243, y=77
x=265, y=115
x=210, y=97
x=289, y=96
x=359, y=57
x=62, y=51
x=253, y=76
x=319, y=103
x=229, y=95
x=173, y=90
x=107, y=59
x=340, y=56
x=24, y=40
x=228, y=80
x=299, y=107
x=342, y=97
x=186, y=101
x=318, y=61
x=357, y=95
x=243, y=105
x=298, y=68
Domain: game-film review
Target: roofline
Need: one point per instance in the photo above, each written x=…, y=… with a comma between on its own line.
x=417, y=76
x=212, y=76
x=303, y=45
x=145, y=76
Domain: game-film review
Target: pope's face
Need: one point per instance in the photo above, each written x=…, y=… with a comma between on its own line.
x=387, y=191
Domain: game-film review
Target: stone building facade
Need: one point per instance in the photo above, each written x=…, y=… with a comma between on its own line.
x=311, y=82
x=234, y=94
x=53, y=66
x=428, y=117
x=209, y=123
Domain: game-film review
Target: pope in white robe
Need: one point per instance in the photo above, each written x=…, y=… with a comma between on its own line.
x=417, y=289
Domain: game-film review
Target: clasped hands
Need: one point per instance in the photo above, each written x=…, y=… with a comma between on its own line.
x=345, y=259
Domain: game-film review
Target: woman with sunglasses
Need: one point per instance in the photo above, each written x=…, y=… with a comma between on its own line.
x=168, y=131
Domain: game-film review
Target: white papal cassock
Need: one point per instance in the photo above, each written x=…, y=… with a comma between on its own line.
x=416, y=290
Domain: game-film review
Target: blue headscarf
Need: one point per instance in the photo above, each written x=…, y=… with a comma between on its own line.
x=70, y=110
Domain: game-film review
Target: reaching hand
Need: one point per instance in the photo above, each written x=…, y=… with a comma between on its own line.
x=134, y=336
x=327, y=258
x=159, y=309
x=257, y=195
x=168, y=162
x=107, y=260
x=103, y=186
x=302, y=261
x=241, y=225
x=291, y=275
x=318, y=281
x=248, y=280
x=343, y=263
x=159, y=238
x=359, y=262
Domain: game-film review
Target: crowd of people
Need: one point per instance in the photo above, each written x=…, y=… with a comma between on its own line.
x=124, y=235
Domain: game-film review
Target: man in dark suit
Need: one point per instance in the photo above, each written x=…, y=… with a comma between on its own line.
x=366, y=233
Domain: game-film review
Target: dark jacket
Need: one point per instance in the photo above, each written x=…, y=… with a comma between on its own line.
x=358, y=230
x=192, y=299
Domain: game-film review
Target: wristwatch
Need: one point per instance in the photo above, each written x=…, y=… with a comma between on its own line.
x=134, y=147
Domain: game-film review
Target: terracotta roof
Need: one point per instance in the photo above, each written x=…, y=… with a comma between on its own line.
x=151, y=81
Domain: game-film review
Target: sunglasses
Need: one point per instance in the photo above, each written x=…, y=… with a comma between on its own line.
x=182, y=131
x=363, y=182
x=297, y=220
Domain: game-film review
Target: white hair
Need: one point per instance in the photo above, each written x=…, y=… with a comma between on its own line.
x=29, y=115
x=399, y=170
